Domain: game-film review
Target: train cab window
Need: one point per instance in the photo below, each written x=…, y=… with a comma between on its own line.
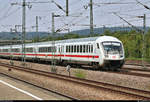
x=84, y=49
x=98, y=45
x=53, y=49
x=29, y=49
x=5, y=50
x=15, y=50
x=80, y=48
x=69, y=48
x=72, y=48
x=41, y=49
x=77, y=48
x=91, y=48
x=66, y=48
x=59, y=50
x=47, y=49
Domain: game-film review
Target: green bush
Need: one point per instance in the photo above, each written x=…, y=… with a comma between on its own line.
x=80, y=74
x=54, y=70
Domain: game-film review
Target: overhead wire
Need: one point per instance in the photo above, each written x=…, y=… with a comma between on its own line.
x=76, y=20
x=4, y=7
x=63, y=7
x=131, y=20
x=62, y=18
x=11, y=13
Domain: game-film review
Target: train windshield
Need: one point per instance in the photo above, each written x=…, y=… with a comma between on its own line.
x=112, y=47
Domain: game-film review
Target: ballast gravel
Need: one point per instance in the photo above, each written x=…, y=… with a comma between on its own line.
x=122, y=80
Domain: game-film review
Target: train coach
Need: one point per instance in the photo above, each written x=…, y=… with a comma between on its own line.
x=105, y=52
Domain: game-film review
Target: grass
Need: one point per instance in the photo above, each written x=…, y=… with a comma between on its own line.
x=54, y=70
x=80, y=74
x=11, y=63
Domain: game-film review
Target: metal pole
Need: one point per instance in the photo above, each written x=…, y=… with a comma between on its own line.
x=143, y=49
x=18, y=35
x=67, y=8
x=23, y=30
x=16, y=32
x=91, y=17
x=104, y=29
x=53, y=27
x=53, y=44
x=37, y=27
x=11, y=51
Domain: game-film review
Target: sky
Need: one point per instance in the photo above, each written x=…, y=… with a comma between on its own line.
x=79, y=14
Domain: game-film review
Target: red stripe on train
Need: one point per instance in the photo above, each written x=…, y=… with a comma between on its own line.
x=81, y=56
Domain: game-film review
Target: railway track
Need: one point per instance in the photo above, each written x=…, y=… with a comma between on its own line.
x=135, y=69
x=126, y=72
x=148, y=65
x=16, y=67
x=131, y=92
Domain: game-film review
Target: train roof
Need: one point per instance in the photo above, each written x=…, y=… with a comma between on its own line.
x=89, y=39
x=71, y=40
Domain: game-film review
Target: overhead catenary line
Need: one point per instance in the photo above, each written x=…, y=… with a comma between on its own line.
x=83, y=14
x=139, y=30
x=110, y=3
x=11, y=13
x=4, y=6
x=143, y=5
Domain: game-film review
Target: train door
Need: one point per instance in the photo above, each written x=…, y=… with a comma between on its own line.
x=97, y=50
x=59, y=52
x=35, y=51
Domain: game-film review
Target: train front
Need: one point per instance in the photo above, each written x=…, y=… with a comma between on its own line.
x=113, y=53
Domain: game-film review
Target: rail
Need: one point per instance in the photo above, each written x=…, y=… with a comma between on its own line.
x=139, y=94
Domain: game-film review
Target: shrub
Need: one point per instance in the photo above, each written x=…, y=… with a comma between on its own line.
x=80, y=74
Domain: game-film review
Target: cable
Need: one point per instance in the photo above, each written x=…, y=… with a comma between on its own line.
x=7, y=11
x=6, y=16
x=4, y=6
x=109, y=24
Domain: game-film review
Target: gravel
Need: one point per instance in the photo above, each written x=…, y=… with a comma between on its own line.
x=72, y=89
x=122, y=80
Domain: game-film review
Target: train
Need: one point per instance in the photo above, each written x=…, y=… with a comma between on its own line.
x=102, y=52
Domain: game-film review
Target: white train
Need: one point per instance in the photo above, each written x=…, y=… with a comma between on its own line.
x=99, y=52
